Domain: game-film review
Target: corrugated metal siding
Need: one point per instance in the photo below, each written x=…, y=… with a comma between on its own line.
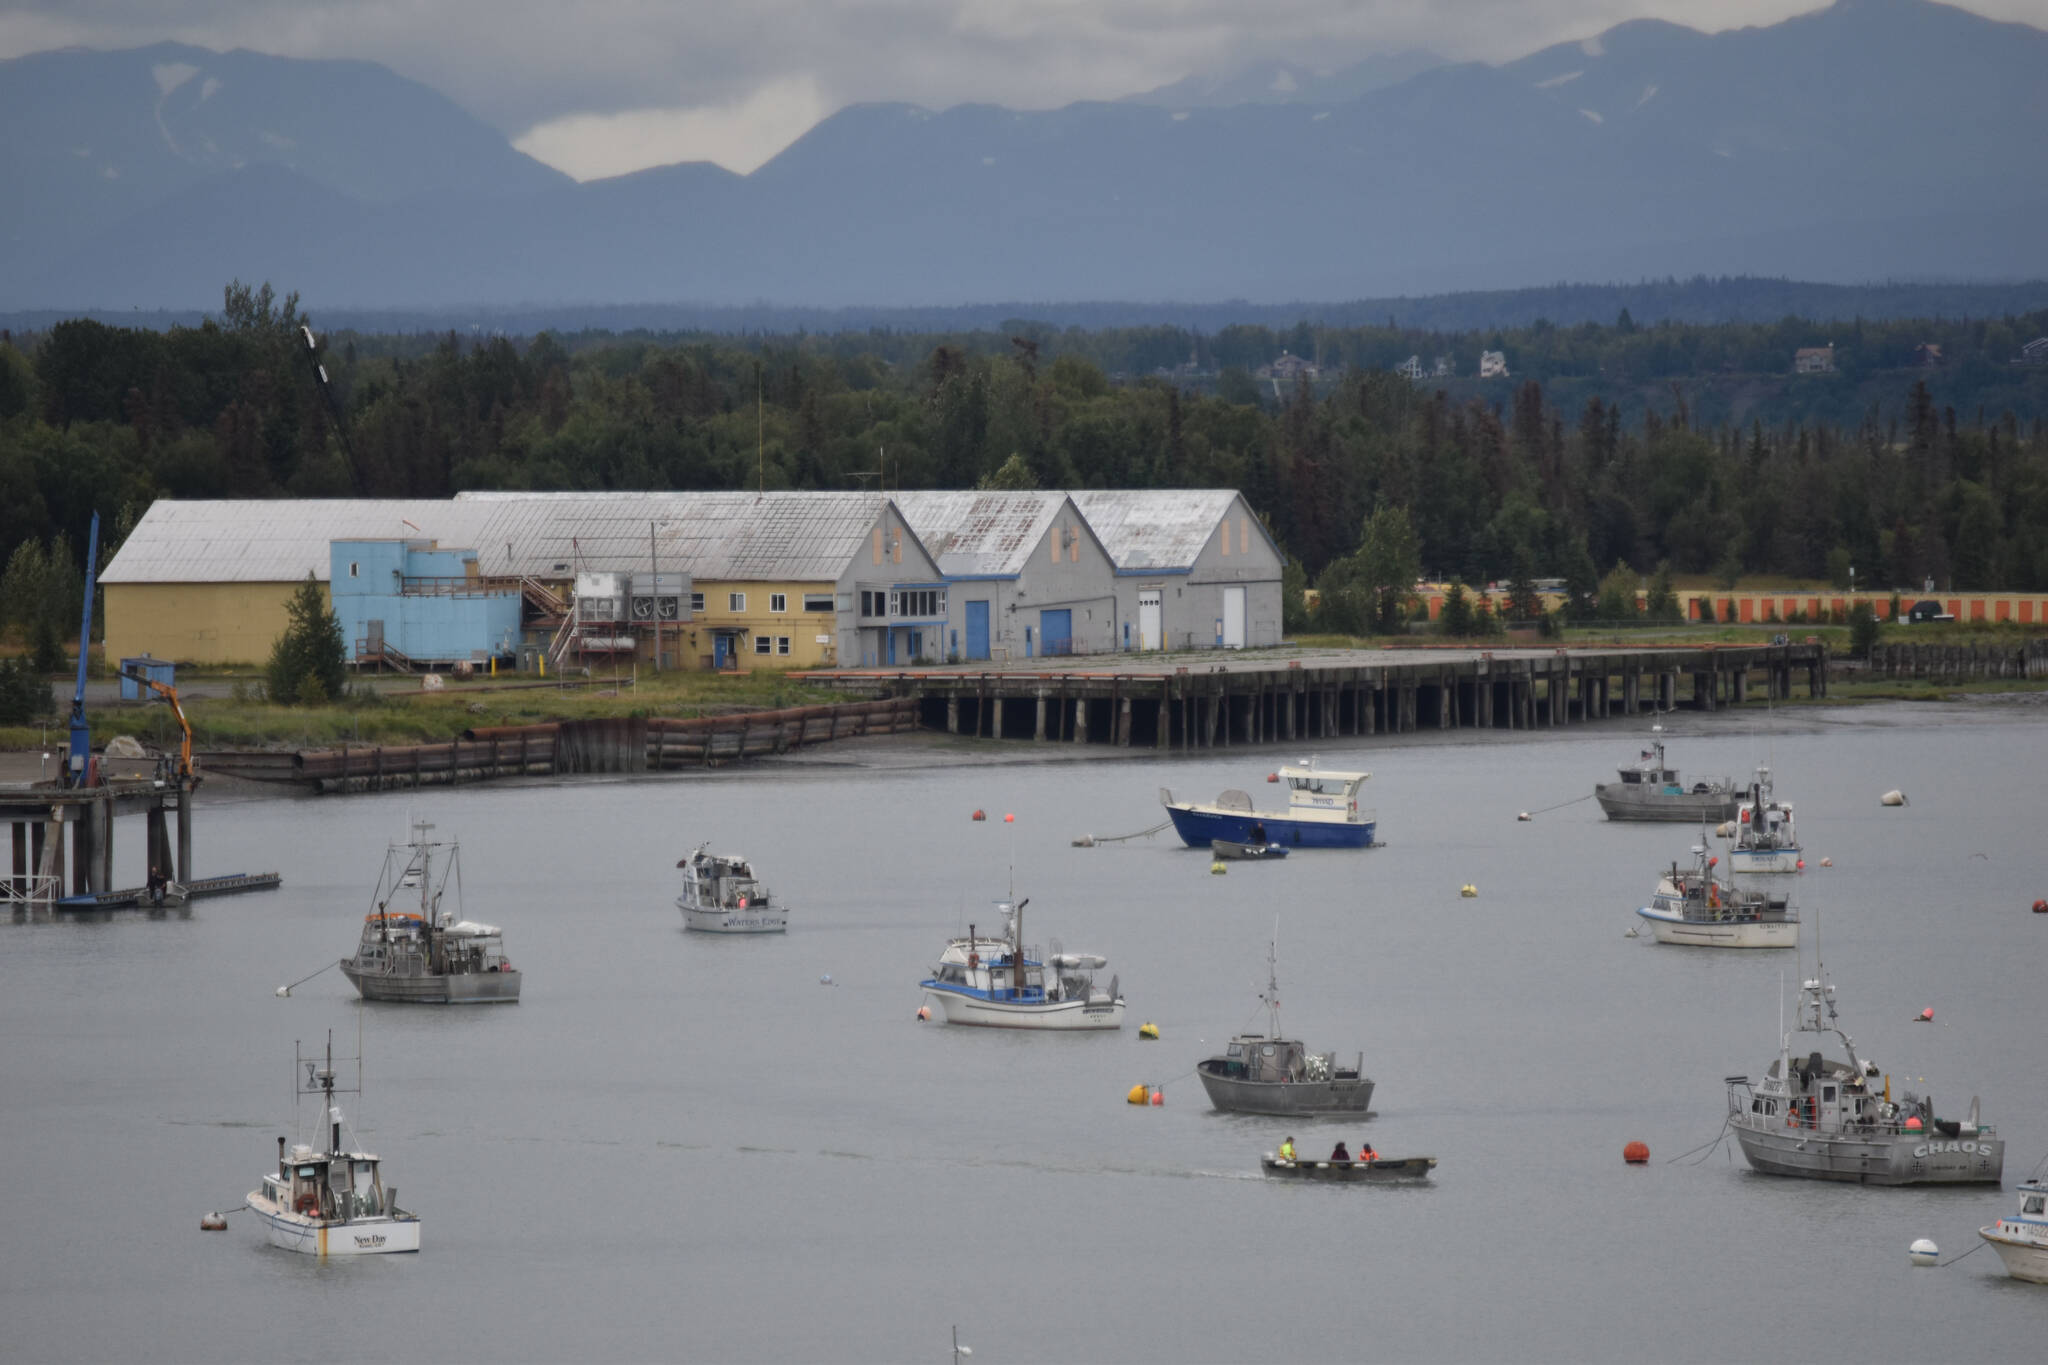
x=979, y=532
x=1159, y=528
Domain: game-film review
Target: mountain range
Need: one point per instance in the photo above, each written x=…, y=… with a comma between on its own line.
x=1875, y=139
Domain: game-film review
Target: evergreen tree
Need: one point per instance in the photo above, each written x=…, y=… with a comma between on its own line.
x=24, y=695
x=1662, y=601
x=1389, y=562
x=1864, y=628
x=309, y=662
x=1457, y=617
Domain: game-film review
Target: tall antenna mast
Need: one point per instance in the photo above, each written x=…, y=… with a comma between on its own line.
x=760, y=431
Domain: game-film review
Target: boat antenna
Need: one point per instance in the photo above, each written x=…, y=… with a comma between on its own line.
x=1271, y=997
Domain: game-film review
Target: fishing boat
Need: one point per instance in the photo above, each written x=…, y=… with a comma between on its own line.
x=1651, y=790
x=1005, y=983
x=1235, y=852
x=412, y=952
x=1269, y=1073
x=1825, y=1118
x=1764, y=839
x=1322, y=812
x=331, y=1201
x=1698, y=909
x=721, y=896
x=1370, y=1171
x=2021, y=1238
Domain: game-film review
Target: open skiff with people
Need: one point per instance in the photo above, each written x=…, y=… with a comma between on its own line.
x=1355, y=1171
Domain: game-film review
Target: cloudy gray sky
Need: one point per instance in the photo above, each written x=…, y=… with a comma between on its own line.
x=600, y=87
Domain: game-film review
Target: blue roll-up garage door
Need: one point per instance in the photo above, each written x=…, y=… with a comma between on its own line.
x=1056, y=631
x=977, y=630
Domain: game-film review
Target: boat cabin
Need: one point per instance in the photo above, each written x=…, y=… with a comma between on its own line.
x=719, y=881
x=1255, y=1057
x=1311, y=789
x=1819, y=1094
x=408, y=945
x=338, y=1187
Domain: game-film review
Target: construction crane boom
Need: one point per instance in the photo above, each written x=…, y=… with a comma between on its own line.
x=170, y=694
x=78, y=761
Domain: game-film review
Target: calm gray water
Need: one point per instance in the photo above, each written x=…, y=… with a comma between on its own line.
x=685, y=1147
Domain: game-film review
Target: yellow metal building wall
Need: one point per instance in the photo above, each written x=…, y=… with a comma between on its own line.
x=802, y=627
x=202, y=623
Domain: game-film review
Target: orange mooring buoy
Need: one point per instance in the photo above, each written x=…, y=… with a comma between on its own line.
x=1158, y=1097
x=2041, y=907
x=1009, y=819
x=979, y=815
x=1636, y=1153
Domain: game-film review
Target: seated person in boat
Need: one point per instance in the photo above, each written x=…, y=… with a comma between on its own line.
x=1287, y=1150
x=1365, y=1152
x=1338, y=1153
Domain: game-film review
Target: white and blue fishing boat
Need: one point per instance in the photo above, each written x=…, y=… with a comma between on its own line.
x=2021, y=1238
x=1004, y=983
x=1764, y=839
x=1322, y=812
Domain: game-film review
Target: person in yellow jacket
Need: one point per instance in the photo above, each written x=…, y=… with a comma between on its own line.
x=1287, y=1150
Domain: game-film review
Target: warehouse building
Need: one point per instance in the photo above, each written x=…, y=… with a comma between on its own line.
x=1195, y=569
x=1026, y=576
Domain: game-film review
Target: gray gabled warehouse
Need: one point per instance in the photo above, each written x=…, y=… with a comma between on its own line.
x=1026, y=576
x=1195, y=569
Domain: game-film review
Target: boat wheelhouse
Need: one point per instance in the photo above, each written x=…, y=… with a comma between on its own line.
x=1269, y=1073
x=1322, y=812
x=721, y=895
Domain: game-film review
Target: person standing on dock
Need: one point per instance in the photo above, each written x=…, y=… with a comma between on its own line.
x=156, y=885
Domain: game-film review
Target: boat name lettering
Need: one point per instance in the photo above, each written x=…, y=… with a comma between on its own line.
x=375, y=1239
x=1928, y=1147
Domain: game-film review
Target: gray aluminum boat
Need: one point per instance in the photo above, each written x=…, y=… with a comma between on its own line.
x=1650, y=790
x=1827, y=1119
x=421, y=956
x=1265, y=1073
x=1385, y=1168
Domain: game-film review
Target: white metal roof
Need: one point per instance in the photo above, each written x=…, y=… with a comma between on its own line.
x=1155, y=528
x=798, y=536
x=980, y=531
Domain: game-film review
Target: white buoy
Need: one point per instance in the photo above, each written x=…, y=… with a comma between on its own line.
x=283, y=992
x=1524, y=816
x=1894, y=797
x=214, y=1222
x=1924, y=1251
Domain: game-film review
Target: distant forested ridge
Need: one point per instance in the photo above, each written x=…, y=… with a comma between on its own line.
x=1924, y=453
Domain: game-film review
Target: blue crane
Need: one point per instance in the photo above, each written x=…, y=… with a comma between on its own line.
x=80, y=757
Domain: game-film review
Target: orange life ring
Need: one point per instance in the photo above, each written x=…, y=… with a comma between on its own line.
x=308, y=1204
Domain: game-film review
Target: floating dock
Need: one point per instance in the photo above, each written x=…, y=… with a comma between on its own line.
x=137, y=898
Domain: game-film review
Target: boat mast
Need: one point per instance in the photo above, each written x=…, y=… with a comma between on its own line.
x=1271, y=998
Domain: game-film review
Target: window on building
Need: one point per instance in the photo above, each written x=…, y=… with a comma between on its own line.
x=351, y=568
x=818, y=601
x=696, y=601
x=782, y=644
x=778, y=602
x=915, y=603
x=735, y=601
x=874, y=603
x=762, y=644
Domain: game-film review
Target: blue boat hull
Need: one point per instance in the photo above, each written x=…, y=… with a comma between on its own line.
x=1198, y=829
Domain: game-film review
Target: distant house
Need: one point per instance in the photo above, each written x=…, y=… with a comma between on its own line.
x=1493, y=364
x=1814, y=359
x=1927, y=355
x=1445, y=368
x=2035, y=352
x=1289, y=368
x=1411, y=368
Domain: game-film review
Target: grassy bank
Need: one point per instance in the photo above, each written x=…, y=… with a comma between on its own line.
x=398, y=712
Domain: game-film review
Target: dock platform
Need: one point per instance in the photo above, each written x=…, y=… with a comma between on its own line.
x=137, y=898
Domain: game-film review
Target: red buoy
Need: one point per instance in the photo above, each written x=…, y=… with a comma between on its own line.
x=1009, y=819
x=979, y=816
x=1272, y=777
x=1636, y=1153
x=1926, y=1016
x=2041, y=907
x=1158, y=1097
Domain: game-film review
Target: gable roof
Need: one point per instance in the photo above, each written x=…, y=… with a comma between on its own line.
x=1161, y=529
x=805, y=537
x=980, y=532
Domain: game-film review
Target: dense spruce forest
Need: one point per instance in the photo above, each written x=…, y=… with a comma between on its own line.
x=1690, y=446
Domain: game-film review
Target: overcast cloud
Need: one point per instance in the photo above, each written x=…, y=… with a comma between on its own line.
x=600, y=87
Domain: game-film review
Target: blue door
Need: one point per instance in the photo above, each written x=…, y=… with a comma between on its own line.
x=977, y=630
x=892, y=646
x=1056, y=631
x=721, y=651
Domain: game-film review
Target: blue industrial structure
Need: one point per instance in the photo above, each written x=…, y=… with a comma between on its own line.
x=410, y=602
x=156, y=670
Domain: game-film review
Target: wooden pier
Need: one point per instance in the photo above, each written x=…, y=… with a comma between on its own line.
x=627, y=744
x=43, y=820
x=1215, y=699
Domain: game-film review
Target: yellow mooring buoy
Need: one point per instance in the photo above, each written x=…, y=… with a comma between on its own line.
x=1149, y=1031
